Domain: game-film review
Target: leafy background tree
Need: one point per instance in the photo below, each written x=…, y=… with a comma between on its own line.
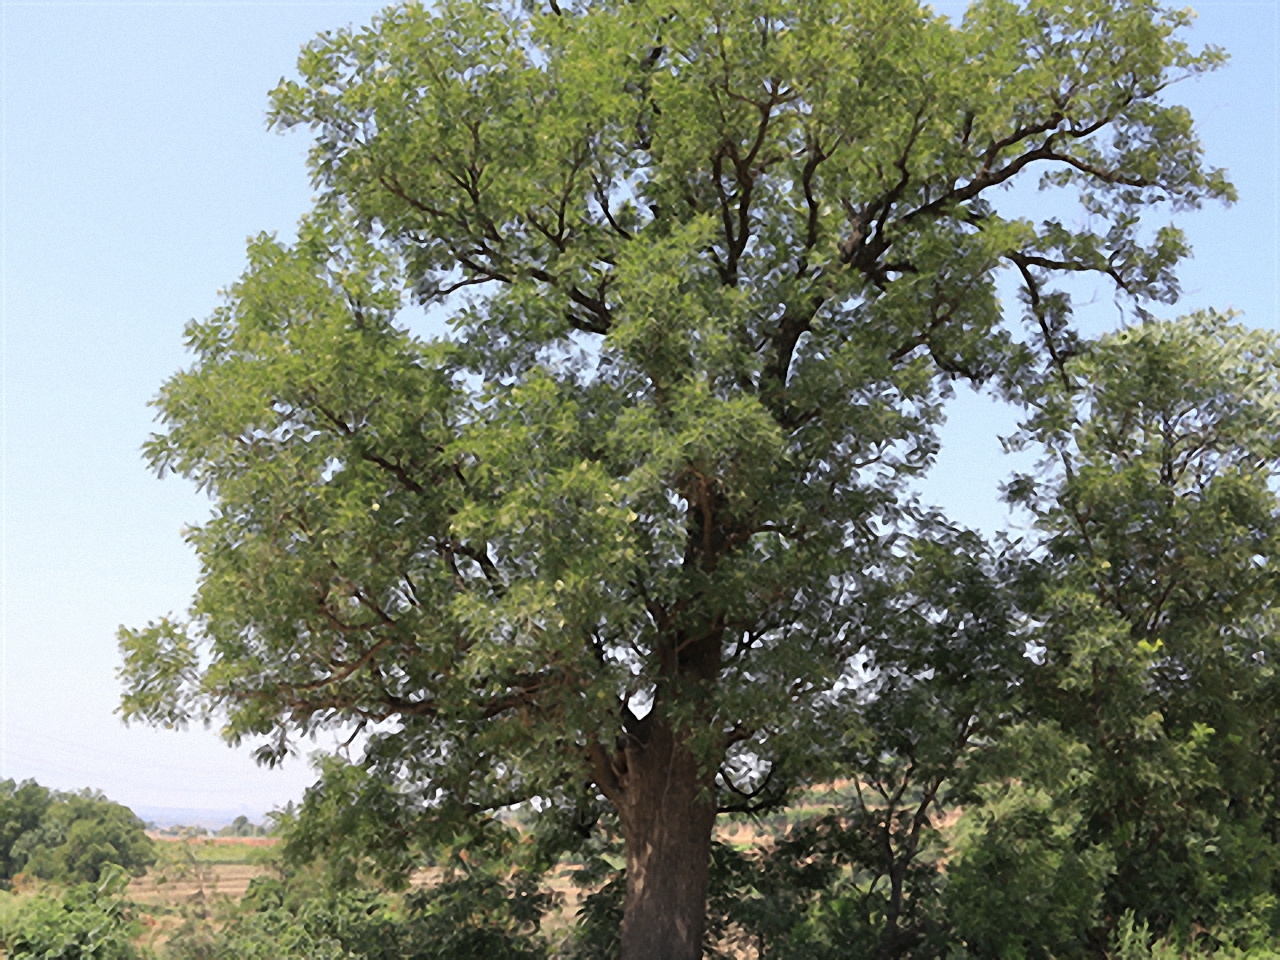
x=22, y=806
x=241, y=826
x=1159, y=588
x=638, y=536
x=68, y=836
x=87, y=847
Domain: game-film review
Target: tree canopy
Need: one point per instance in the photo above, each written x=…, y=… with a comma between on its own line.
x=67, y=836
x=638, y=533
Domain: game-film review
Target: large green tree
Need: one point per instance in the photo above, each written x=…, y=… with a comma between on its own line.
x=626, y=535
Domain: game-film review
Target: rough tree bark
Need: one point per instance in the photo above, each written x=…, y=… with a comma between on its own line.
x=667, y=814
x=666, y=802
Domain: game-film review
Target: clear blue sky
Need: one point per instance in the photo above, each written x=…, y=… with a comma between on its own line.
x=135, y=164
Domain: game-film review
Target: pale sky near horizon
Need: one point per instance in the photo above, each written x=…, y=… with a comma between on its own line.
x=134, y=164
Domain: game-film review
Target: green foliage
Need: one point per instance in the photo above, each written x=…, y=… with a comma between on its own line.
x=1022, y=888
x=1149, y=767
x=22, y=808
x=89, y=921
x=1132, y=941
x=476, y=913
x=68, y=837
x=264, y=927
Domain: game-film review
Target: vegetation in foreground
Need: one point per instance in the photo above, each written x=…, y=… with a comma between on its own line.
x=803, y=886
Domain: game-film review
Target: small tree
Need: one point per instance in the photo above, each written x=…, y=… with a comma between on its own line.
x=22, y=808
x=79, y=835
x=633, y=532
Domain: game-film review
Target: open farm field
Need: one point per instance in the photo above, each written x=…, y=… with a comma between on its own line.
x=215, y=850
x=249, y=850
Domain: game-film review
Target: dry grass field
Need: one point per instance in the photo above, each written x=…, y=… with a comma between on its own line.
x=231, y=879
x=197, y=869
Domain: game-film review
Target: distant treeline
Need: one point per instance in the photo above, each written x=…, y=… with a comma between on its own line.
x=239, y=827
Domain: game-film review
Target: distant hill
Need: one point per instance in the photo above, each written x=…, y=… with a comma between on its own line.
x=209, y=818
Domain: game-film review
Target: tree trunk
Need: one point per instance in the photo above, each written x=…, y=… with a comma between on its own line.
x=667, y=813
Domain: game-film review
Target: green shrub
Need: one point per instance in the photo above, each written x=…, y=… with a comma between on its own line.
x=1022, y=887
x=90, y=921
x=474, y=914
